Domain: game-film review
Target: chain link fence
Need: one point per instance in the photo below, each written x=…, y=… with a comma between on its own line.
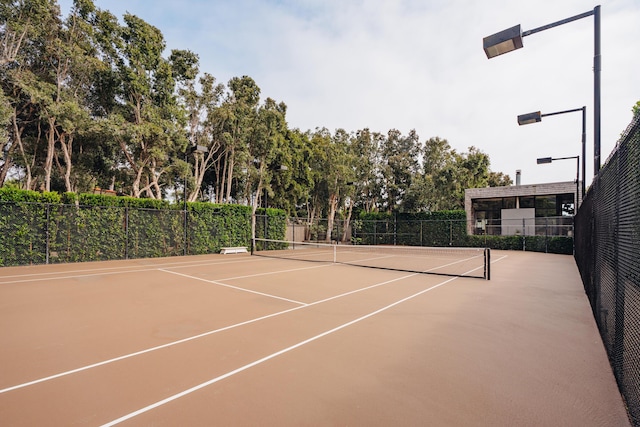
x=608, y=257
x=37, y=233
x=552, y=234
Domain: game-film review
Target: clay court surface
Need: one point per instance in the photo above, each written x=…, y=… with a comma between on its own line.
x=239, y=340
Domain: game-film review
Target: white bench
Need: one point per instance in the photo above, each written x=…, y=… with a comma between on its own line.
x=234, y=250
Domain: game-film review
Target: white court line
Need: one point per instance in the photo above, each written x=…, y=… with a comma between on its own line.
x=215, y=282
x=271, y=356
x=124, y=267
x=247, y=276
x=109, y=273
x=194, y=337
x=205, y=334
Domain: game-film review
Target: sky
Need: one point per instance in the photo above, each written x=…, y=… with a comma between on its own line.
x=419, y=64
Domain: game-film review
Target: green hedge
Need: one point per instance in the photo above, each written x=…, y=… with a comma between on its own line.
x=552, y=244
x=37, y=228
x=271, y=223
x=446, y=228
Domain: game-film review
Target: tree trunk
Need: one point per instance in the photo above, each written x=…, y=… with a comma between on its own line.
x=51, y=144
x=222, y=177
x=311, y=215
x=333, y=205
x=66, y=142
x=230, y=175
x=8, y=163
x=136, y=183
x=345, y=230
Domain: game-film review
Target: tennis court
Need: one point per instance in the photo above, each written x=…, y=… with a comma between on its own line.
x=249, y=340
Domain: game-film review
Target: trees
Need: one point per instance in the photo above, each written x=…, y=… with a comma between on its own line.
x=89, y=100
x=400, y=164
x=152, y=133
x=26, y=27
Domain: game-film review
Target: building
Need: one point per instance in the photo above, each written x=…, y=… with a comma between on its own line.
x=537, y=209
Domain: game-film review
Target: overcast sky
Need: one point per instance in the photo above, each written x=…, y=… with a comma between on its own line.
x=419, y=64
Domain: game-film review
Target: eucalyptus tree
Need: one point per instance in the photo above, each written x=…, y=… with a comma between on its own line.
x=499, y=179
x=148, y=124
x=429, y=192
x=201, y=99
x=15, y=24
x=238, y=112
x=319, y=166
x=365, y=147
x=331, y=164
x=338, y=176
x=461, y=171
x=58, y=73
x=292, y=187
x=264, y=142
x=474, y=171
x=73, y=59
x=26, y=28
x=401, y=156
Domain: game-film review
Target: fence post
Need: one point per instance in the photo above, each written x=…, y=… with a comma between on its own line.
x=524, y=234
x=47, y=235
x=126, y=232
x=185, y=222
x=546, y=235
x=375, y=232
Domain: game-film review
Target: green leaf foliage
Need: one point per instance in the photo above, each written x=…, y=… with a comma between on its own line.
x=38, y=228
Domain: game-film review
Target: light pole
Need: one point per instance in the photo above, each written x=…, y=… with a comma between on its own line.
x=511, y=39
x=525, y=119
x=545, y=160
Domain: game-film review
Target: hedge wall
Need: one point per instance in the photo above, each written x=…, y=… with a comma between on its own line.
x=38, y=228
x=446, y=228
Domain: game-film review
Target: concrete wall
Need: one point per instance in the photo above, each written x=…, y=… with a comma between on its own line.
x=518, y=222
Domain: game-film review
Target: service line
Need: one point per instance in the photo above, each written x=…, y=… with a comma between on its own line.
x=194, y=337
x=271, y=356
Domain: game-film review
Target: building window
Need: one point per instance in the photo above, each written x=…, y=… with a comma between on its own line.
x=527, y=202
x=546, y=206
x=566, y=202
x=509, y=203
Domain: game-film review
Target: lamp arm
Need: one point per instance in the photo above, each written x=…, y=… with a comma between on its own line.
x=556, y=24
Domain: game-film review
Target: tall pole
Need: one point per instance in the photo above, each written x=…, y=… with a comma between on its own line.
x=507, y=41
x=575, y=208
x=584, y=149
x=185, y=202
x=596, y=91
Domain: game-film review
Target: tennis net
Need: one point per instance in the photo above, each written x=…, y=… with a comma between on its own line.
x=458, y=262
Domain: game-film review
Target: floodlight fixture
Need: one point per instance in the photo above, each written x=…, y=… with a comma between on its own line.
x=526, y=119
x=503, y=42
x=544, y=160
